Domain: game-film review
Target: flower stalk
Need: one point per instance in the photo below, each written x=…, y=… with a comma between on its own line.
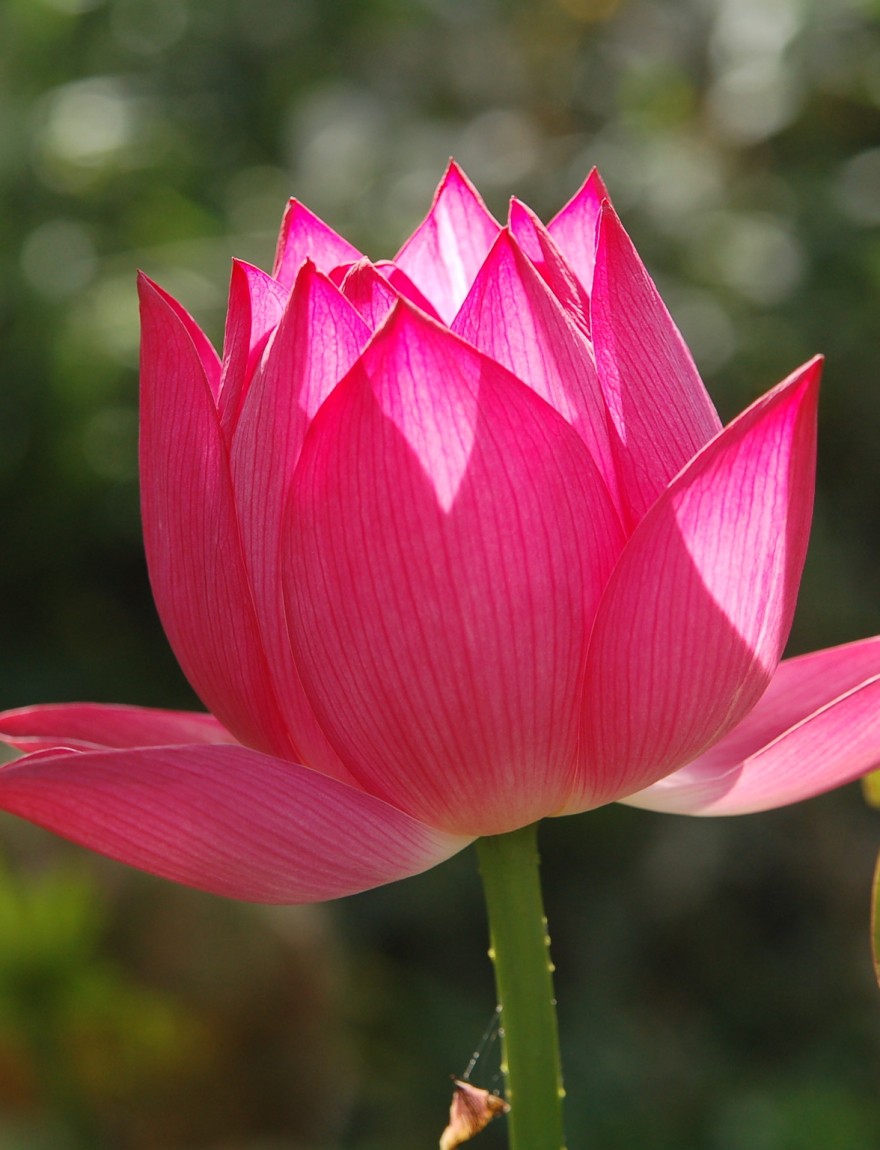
x=520, y=952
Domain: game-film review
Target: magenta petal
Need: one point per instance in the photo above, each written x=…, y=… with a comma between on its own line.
x=374, y=288
x=574, y=228
x=816, y=727
x=207, y=357
x=404, y=287
x=191, y=535
x=698, y=610
x=511, y=315
x=99, y=725
x=445, y=252
x=449, y=541
x=305, y=237
x=654, y=394
x=256, y=303
x=317, y=341
x=224, y=819
x=537, y=243
x=369, y=293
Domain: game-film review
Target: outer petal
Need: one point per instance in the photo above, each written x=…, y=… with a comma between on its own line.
x=699, y=608
x=656, y=399
x=224, y=819
x=315, y=344
x=99, y=725
x=816, y=727
x=209, y=361
x=573, y=229
x=449, y=540
x=511, y=314
x=256, y=303
x=444, y=254
x=191, y=536
x=305, y=237
x=537, y=243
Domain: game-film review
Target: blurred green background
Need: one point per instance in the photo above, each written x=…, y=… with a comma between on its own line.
x=713, y=976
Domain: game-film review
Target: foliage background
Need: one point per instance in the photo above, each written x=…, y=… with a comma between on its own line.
x=713, y=976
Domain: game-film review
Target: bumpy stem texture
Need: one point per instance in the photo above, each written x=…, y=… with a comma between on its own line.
x=524, y=980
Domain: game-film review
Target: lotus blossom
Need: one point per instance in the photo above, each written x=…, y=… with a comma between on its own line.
x=446, y=545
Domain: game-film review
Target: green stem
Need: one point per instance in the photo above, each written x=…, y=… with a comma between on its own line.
x=524, y=980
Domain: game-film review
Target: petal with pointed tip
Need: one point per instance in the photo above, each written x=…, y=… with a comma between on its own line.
x=315, y=344
x=698, y=610
x=537, y=243
x=256, y=303
x=445, y=252
x=306, y=237
x=208, y=359
x=816, y=727
x=574, y=228
x=106, y=725
x=511, y=315
x=191, y=535
x=449, y=541
x=224, y=819
x=368, y=292
x=654, y=393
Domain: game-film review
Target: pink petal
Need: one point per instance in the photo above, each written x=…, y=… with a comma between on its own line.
x=368, y=292
x=574, y=228
x=374, y=288
x=404, y=287
x=208, y=359
x=99, y=725
x=512, y=316
x=317, y=341
x=449, y=541
x=537, y=243
x=191, y=535
x=256, y=303
x=444, y=254
x=305, y=237
x=816, y=727
x=699, y=608
x=657, y=401
x=223, y=819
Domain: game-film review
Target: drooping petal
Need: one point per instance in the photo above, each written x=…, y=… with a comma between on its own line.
x=256, y=303
x=449, y=540
x=698, y=610
x=537, y=243
x=575, y=225
x=95, y=725
x=655, y=396
x=224, y=819
x=816, y=727
x=317, y=341
x=511, y=315
x=445, y=252
x=191, y=535
x=305, y=237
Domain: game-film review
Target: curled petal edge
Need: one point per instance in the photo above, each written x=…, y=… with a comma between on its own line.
x=98, y=725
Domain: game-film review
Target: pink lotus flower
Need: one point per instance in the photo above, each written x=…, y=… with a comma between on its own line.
x=447, y=545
